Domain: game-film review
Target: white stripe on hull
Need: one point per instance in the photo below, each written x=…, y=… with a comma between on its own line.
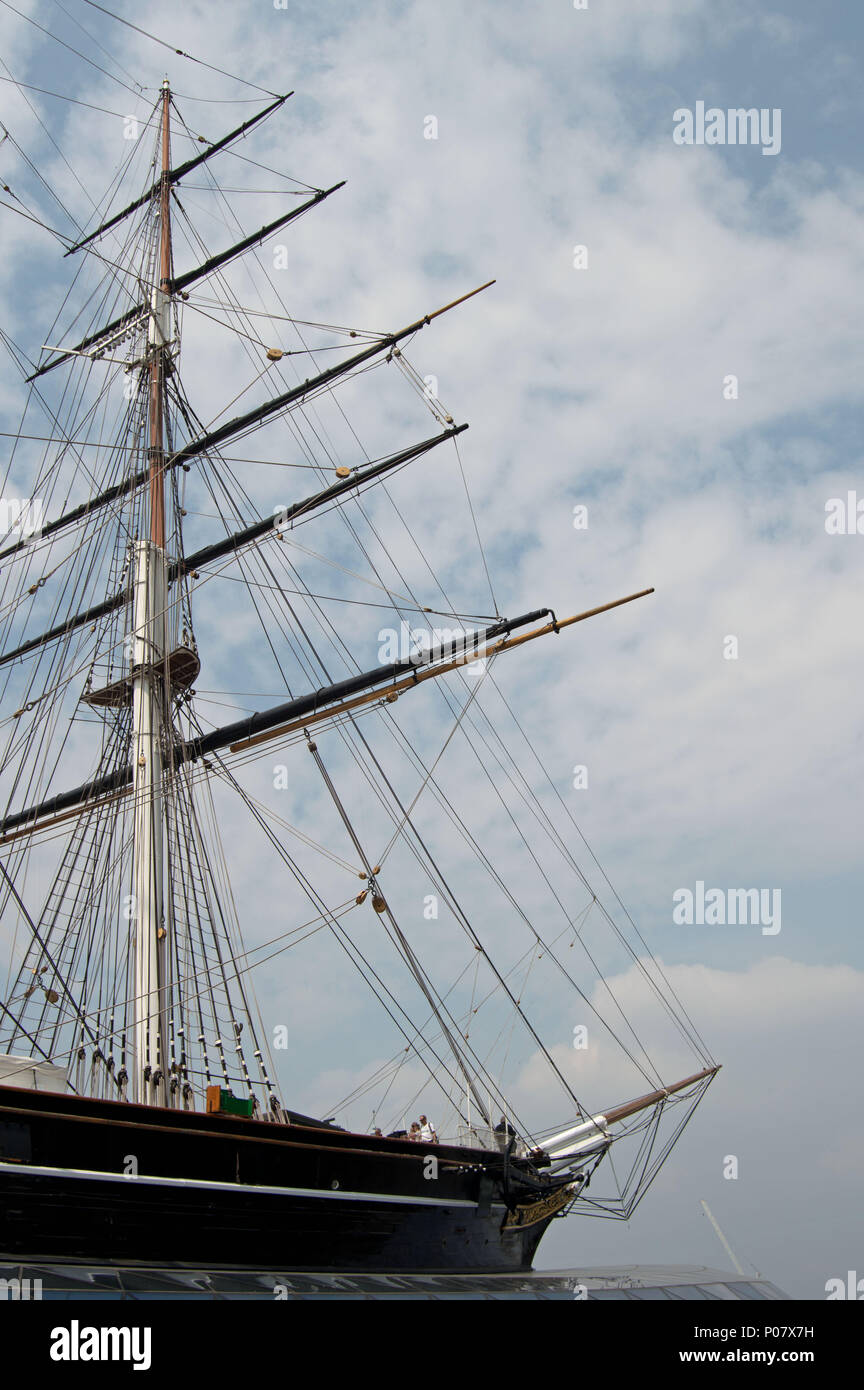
x=242, y=1188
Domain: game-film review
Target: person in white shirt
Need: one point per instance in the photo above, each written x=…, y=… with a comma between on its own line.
x=427, y=1131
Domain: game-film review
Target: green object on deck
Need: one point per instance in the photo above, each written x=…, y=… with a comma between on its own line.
x=233, y=1105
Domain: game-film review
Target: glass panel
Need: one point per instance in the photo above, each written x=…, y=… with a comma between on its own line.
x=70, y=1296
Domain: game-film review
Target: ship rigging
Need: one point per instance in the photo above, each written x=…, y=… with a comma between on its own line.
x=130, y=992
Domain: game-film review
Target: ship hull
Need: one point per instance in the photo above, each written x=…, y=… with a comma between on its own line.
x=87, y=1180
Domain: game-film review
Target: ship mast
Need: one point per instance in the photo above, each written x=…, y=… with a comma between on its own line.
x=180, y=966
x=149, y=690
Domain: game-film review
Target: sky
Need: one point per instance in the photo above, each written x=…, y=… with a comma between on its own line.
x=673, y=343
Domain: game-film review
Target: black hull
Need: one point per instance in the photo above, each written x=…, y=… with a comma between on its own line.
x=219, y=1191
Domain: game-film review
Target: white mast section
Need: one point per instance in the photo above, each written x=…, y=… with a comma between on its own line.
x=148, y=890
x=149, y=660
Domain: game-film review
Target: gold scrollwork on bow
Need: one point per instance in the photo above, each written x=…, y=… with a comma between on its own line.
x=532, y=1212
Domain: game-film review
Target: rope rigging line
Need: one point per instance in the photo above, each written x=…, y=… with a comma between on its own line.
x=478, y=851
x=179, y=51
x=380, y=905
x=476, y=527
x=310, y=928
x=486, y=862
x=393, y=1066
x=645, y=1073
x=363, y=966
x=73, y=101
x=473, y=748
x=304, y=412
x=136, y=90
x=694, y=1033
x=92, y=39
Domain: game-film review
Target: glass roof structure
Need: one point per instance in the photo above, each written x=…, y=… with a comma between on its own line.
x=635, y=1283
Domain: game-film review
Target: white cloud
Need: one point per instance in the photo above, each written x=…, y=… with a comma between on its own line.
x=787, y=1036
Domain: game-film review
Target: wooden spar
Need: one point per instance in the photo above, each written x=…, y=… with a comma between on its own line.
x=579, y=618
x=240, y=423
x=343, y=706
x=179, y=282
x=584, y=1137
x=65, y=815
x=127, y=321
x=408, y=683
x=453, y=302
x=175, y=175
x=235, y=541
x=384, y=693
x=632, y=1107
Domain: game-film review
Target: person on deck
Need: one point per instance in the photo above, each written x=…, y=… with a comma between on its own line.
x=427, y=1131
x=506, y=1132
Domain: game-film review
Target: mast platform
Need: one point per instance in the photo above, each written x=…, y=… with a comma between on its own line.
x=182, y=667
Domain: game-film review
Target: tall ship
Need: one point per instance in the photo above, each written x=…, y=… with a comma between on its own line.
x=186, y=809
